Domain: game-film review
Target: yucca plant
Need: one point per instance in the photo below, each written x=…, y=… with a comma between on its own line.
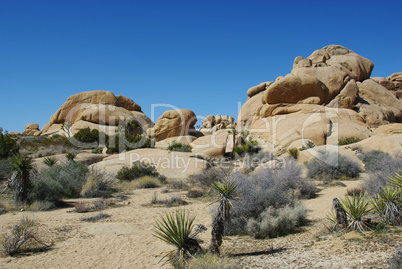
x=226, y=191
x=70, y=156
x=50, y=161
x=20, y=182
x=387, y=203
x=175, y=229
x=396, y=180
x=357, y=207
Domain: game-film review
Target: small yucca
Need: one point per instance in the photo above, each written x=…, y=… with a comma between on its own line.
x=50, y=161
x=175, y=229
x=357, y=208
x=387, y=204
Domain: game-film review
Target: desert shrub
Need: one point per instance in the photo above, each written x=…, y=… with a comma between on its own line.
x=331, y=165
x=211, y=261
x=395, y=262
x=137, y=170
x=357, y=209
x=97, y=151
x=87, y=135
x=210, y=175
x=388, y=204
x=249, y=146
x=59, y=181
x=148, y=182
x=50, y=161
x=70, y=156
x=23, y=236
x=95, y=218
x=170, y=202
x=120, y=143
x=8, y=145
x=20, y=181
x=310, y=144
x=294, y=152
x=177, y=184
x=380, y=173
x=273, y=222
x=5, y=169
x=348, y=140
x=56, y=143
x=195, y=193
x=355, y=191
x=177, y=146
x=374, y=159
x=81, y=208
x=261, y=157
x=264, y=189
x=98, y=184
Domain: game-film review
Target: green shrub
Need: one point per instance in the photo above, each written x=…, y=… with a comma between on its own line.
x=176, y=146
x=310, y=144
x=357, y=208
x=70, y=156
x=58, y=182
x=293, y=152
x=5, y=169
x=249, y=146
x=98, y=184
x=348, y=140
x=50, y=161
x=56, y=143
x=137, y=170
x=97, y=151
x=8, y=145
x=119, y=143
x=87, y=135
x=331, y=165
x=274, y=222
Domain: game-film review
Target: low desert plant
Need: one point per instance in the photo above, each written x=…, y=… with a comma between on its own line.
x=170, y=202
x=209, y=175
x=95, y=218
x=355, y=191
x=81, y=208
x=87, y=135
x=330, y=165
x=211, y=261
x=177, y=146
x=308, y=145
x=175, y=228
x=137, y=170
x=50, y=161
x=148, y=182
x=70, y=156
x=357, y=208
x=388, y=204
x=8, y=145
x=249, y=146
x=98, y=184
x=4, y=169
x=348, y=140
x=97, y=151
x=23, y=235
x=195, y=193
x=294, y=152
x=20, y=181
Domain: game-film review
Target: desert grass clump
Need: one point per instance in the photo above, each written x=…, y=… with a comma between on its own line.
x=50, y=161
x=209, y=175
x=170, y=202
x=175, y=228
x=98, y=183
x=195, y=193
x=211, y=261
x=177, y=146
x=148, y=182
x=357, y=209
x=294, y=152
x=348, y=140
x=23, y=236
x=355, y=191
x=328, y=166
x=70, y=156
x=97, y=151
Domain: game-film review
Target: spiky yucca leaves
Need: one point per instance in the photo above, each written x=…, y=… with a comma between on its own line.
x=20, y=182
x=226, y=191
x=357, y=207
x=50, y=161
x=175, y=229
x=396, y=180
x=387, y=203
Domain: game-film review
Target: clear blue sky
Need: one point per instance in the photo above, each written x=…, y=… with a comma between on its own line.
x=199, y=55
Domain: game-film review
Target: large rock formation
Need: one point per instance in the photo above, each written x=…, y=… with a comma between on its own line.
x=100, y=110
x=326, y=96
x=212, y=123
x=173, y=123
x=32, y=129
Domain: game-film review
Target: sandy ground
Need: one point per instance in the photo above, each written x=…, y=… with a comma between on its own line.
x=125, y=240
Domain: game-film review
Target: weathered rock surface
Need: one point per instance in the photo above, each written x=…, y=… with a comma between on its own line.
x=215, y=145
x=96, y=107
x=173, y=165
x=164, y=144
x=32, y=129
x=213, y=123
x=173, y=123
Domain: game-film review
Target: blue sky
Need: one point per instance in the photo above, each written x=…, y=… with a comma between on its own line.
x=199, y=55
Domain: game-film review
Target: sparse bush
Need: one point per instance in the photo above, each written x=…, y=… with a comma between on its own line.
x=5, y=169
x=249, y=146
x=97, y=151
x=258, y=158
x=171, y=202
x=81, y=208
x=331, y=165
x=355, y=191
x=24, y=235
x=195, y=193
x=178, y=184
x=395, y=262
x=120, y=143
x=50, y=161
x=95, y=218
x=70, y=156
x=98, y=184
x=210, y=175
x=264, y=189
x=374, y=159
x=177, y=146
x=274, y=222
x=87, y=135
x=310, y=144
x=8, y=145
x=148, y=182
x=52, y=145
x=137, y=170
x=294, y=152
x=348, y=140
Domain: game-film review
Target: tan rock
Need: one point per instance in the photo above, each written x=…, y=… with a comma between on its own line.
x=377, y=104
x=173, y=123
x=391, y=144
x=384, y=82
x=211, y=144
x=347, y=97
x=393, y=128
x=173, y=165
x=248, y=110
x=396, y=79
x=31, y=129
x=164, y=144
x=209, y=121
x=259, y=88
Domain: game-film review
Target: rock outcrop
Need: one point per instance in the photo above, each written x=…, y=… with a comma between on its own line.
x=173, y=123
x=326, y=96
x=100, y=110
x=32, y=129
x=212, y=124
